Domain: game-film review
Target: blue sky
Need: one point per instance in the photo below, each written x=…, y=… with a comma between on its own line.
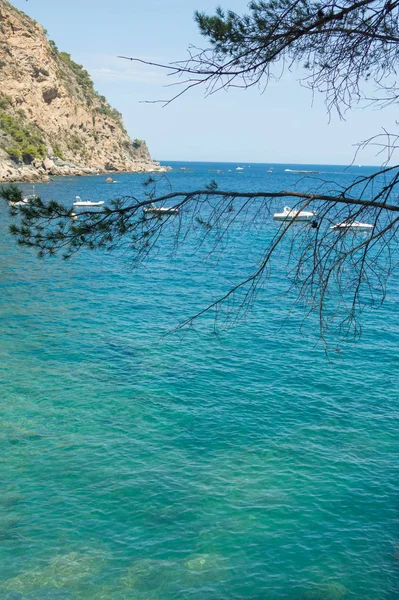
x=285, y=124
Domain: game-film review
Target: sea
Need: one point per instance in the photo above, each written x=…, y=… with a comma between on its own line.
x=141, y=461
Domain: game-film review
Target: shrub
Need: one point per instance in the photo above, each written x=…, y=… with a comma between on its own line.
x=28, y=142
x=5, y=101
x=107, y=110
x=30, y=152
x=82, y=76
x=75, y=144
x=14, y=152
x=58, y=152
x=53, y=46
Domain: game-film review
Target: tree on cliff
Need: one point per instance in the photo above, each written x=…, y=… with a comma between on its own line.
x=343, y=48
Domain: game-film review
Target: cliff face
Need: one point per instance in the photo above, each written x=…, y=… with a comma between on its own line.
x=52, y=122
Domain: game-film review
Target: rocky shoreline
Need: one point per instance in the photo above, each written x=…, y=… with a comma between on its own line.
x=43, y=171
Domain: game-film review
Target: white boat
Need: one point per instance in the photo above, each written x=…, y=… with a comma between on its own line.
x=162, y=210
x=24, y=202
x=26, y=199
x=356, y=225
x=290, y=214
x=239, y=168
x=80, y=202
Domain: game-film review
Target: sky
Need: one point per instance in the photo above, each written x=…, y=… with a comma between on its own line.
x=285, y=124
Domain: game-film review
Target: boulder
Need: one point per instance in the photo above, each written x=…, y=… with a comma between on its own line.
x=48, y=164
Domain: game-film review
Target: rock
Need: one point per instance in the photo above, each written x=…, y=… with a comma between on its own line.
x=82, y=133
x=109, y=180
x=48, y=164
x=40, y=74
x=50, y=94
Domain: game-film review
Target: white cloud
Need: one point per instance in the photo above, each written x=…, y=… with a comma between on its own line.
x=105, y=67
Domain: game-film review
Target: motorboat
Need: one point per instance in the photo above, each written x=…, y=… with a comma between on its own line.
x=80, y=202
x=291, y=214
x=26, y=199
x=161, y=210
x=24, y=202
x=355, y=225
x=239, y=168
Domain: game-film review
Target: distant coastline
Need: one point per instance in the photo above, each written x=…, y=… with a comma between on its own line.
x=268, y=163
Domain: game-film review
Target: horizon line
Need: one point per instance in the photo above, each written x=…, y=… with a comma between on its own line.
x=232, y=162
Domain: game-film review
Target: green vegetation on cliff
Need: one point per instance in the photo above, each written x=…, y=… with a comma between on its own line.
x=27, y=143
x=85, y=83
x=5, y=101
x=106, y=109
x=83, y=78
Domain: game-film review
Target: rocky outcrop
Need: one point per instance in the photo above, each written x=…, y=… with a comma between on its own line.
x=52, y=121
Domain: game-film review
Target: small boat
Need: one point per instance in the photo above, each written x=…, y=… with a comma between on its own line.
x=270, y=170
x=356, y=225
x=80, y=202
x=20, y=203
x=26, y=199
x=239, y=168
x=290, y=214
x=24, y=202
x=161, y=210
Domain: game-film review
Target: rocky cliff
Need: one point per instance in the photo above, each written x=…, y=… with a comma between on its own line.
x=52, y=121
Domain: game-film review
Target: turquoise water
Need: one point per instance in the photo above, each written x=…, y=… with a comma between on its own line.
x=139, y=466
